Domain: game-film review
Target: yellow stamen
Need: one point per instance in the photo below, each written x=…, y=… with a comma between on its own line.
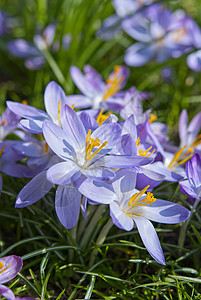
x=45, y=146
x=59, y=111
x=152, y=118
x=196, y=141
x=90, y=144
x=24, y=102
x=135, y=199
x=4, y=122
x=144, y=153
x=5, y=269
x=180, y=157
x=1, y=265
x=2, y=149
x=114, y=83
x=101, y=118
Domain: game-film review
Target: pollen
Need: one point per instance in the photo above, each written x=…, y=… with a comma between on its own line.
x=180, y=157
x=114, y=83
x=145, y=153
x=45, y=147
x=135, y=199
x=101, y=118
x=90, y=144
x=1, y=265
x=24, y=102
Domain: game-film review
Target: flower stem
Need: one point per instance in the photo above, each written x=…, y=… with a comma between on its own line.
x=92, y=225
x=100, y=240
x=184, y=227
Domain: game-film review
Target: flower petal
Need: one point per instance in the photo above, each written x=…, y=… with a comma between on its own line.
x=119, y=218
x=63, y=173
x=6, y=292
x=33, y=191
x=9, y=267
x=150, y=239
x=67, y=205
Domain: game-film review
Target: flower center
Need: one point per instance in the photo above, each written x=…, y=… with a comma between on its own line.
x=180, y=157
x=101, y=118
x=144, y=153
x=114, y=83
x=136, y=201
x=90, y=144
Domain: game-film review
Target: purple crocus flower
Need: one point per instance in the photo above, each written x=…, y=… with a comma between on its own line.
x=84, y=152
x=32, y=53
x=96, y=91
x=54, y=100
x=161, y=35
x=131, y=208
x=9, y=267
x=192, y=186
x=4, y=23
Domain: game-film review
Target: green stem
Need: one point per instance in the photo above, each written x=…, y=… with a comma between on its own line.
x=73, y=233
x=83, y=223
x=54, y=67
x=92, y=225
x=184, y=227
x=100, y=240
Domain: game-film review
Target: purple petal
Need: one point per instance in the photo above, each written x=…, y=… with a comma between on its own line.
x=119, y=218
x=124, y=182
x=67, y=204
x=99, y=192
x=80, y=101
x=35, y=63
x=6, y=292
x=183, y=121
x=194, y=61
x=99, y=173
x=167, y=212
x=82, y=83
x=9, y=267
x=21, y=48
x=27, y=111
x=73, y=127
x=56, y=139
x=193, y=170
x=188, y=189
x=138, y=54
x=33, y=191
x=63, y=173
x=150, y=239
x=123, y=161
x=53, y=94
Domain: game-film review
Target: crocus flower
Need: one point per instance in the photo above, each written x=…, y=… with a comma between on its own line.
x=32, y=53
x=96, y=91
x=9, y=267
x=54, y=100
x=84, y=152
x=4, y=22
x=161, y=35
x=131, y=208
x=192, y=186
